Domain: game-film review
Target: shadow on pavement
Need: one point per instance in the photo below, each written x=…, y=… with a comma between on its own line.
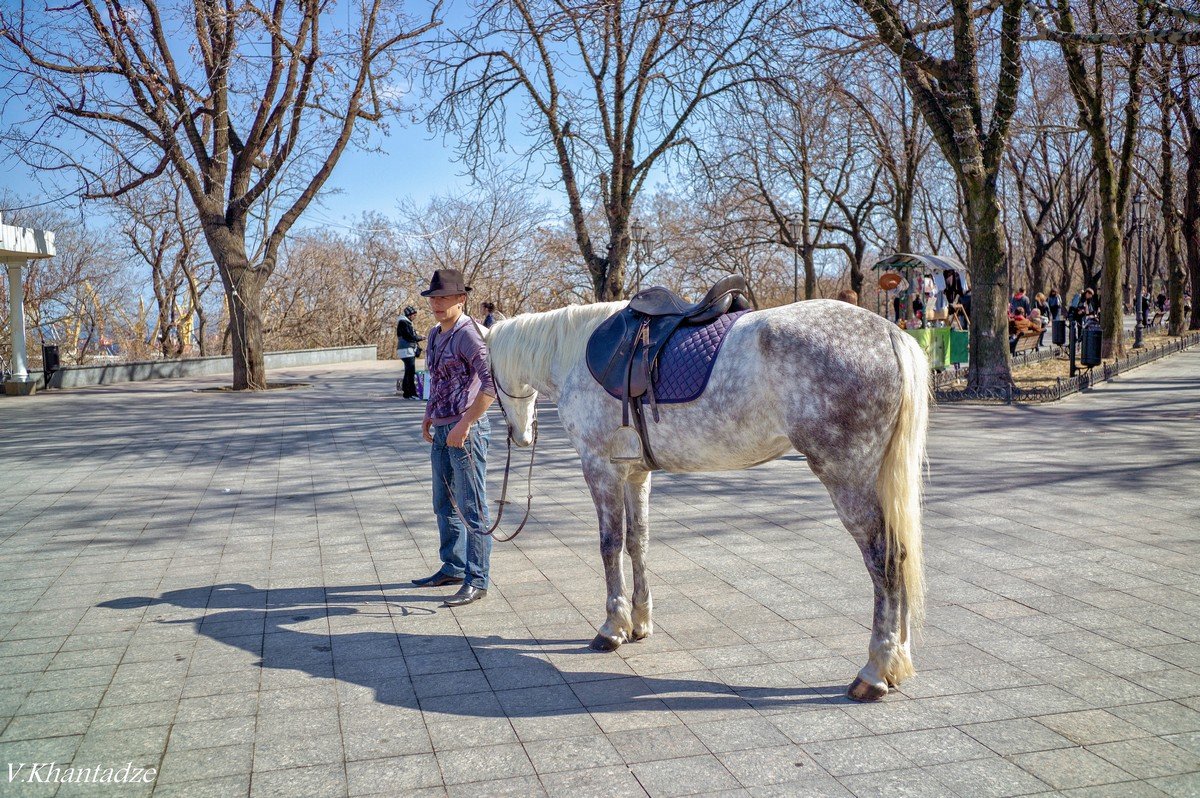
x=258, y=622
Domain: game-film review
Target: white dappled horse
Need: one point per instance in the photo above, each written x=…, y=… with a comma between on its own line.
x=844, y=387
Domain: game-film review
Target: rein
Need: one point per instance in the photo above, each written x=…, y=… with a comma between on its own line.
x=507, y=463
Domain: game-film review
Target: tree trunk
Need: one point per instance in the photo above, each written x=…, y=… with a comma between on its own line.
x=856, y=268
x=608, y=281
x=1176, y=274
x=1112, y=319
x=1037, y=266
x=810, y=273
x=991, y=363
x=1191, y=222
x=243, y=294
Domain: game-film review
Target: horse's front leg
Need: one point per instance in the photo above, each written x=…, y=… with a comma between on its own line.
x=637, y=540
x=608, y=493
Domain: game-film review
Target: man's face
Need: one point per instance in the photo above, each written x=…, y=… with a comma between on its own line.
x=447, y=307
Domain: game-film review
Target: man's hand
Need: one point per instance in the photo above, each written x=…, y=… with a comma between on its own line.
x=458, y=435
x=427, y=430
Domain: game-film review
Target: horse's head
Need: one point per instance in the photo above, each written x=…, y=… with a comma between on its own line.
x=519, y=402
x=516, y=397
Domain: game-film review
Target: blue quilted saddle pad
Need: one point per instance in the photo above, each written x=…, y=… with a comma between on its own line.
x=687, y=359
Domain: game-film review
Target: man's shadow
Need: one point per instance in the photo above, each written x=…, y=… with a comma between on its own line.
x=260, y=622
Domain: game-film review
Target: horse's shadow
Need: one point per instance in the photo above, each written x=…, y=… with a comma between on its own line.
x=259, y=622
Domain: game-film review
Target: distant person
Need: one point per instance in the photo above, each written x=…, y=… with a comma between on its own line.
x=954, y=287
x=1019, y=300
x=848, y=295
x=1041, y=305
x=492, y=315
x=1160, y=303
x=408, y=349
x=1019, y=325
x=1085, y=304
x=1036, y=317
x=1054, y=303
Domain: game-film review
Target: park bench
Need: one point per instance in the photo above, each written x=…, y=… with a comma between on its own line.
x=1157, y=320
x=1025, y=342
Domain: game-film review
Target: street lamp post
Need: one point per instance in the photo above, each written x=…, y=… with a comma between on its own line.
x=794, y=229
x=638, y=234
x=1139, y=222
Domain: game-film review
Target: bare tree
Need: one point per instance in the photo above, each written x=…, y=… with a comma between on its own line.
x=1189, y=115
x=897, y=139
x=604, y=90
x=972, y=138
x=159, y=227
x=1176, y=271
x=250, y=103
x=1087, y=72
x=73, y=298
x=490, y=234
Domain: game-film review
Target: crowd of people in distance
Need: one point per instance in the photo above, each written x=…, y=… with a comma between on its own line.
x=1032, y=316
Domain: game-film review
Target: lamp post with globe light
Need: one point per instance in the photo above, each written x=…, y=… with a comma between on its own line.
x=1139, y=311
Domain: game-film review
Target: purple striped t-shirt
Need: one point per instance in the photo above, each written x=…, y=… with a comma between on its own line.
x=458, y=367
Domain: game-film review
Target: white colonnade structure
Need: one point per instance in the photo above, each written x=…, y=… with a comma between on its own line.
x=18, y=246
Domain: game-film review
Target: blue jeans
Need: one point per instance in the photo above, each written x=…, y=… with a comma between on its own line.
x=465, y=553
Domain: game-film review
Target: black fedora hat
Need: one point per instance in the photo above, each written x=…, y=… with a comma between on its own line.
x=446, y=282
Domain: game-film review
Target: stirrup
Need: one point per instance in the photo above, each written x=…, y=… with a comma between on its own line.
x=626, y=445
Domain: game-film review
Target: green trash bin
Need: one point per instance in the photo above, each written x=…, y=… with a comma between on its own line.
x=959, y=346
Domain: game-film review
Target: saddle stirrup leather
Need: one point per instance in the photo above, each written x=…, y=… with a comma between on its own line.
x=628, y=442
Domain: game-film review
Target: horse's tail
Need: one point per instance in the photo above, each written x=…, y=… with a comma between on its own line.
x=900, y=476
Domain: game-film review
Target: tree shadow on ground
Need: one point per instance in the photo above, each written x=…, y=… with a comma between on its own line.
x=483, y=676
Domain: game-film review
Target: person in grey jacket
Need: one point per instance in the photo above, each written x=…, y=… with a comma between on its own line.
x=407, y=350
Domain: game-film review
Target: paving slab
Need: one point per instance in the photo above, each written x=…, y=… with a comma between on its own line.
x=216, y=586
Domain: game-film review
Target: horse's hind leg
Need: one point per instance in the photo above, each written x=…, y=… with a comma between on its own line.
x=608, y=493
x=889, y=661
x=637, y=540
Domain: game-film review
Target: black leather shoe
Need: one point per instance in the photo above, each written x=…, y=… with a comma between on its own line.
x=437, y=580
x=466, y=595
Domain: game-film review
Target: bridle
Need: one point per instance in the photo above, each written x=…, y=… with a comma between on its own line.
x=508, y=463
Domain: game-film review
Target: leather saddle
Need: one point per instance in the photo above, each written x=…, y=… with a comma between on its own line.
x=623, y=352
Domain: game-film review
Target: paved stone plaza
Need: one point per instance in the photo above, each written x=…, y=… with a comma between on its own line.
x=216, y=586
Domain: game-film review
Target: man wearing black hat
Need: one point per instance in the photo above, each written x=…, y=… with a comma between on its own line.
x=407, y=350
x=457, y=425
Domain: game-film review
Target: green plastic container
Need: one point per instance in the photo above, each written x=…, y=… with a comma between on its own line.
x=959, y=346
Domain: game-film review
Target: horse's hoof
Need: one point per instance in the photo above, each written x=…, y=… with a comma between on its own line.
x=639, y=634
x=865, y=691
x=602, y=643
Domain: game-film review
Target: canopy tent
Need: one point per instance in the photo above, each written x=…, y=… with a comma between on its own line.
x=934, y=265
x=903, y=261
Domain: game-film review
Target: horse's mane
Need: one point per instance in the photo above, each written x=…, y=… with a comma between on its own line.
x=537, y=348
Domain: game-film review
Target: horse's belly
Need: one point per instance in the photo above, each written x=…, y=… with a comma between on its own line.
x=714, y=435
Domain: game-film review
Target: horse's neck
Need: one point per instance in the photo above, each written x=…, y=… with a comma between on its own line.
x=568, y=336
